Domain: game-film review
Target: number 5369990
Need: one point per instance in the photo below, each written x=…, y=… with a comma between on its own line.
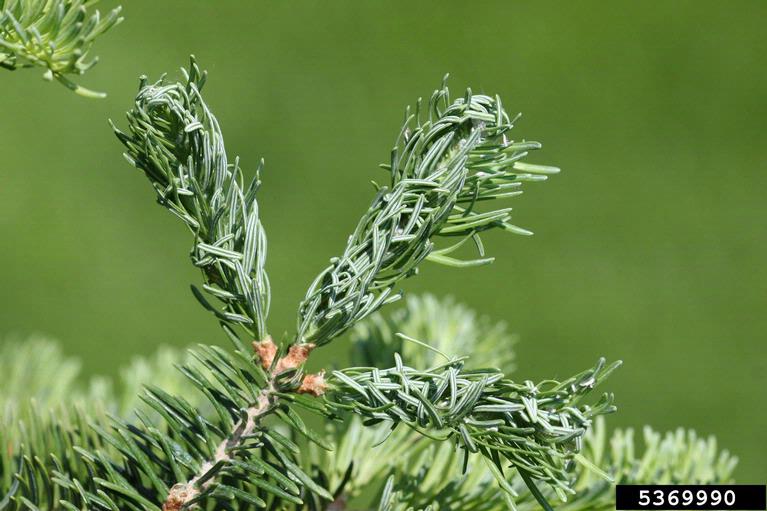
x=685, y=498
x=690, y=497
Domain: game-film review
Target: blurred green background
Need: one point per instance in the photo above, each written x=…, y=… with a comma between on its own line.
x=649, y=247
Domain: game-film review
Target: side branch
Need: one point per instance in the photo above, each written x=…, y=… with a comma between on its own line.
x=177, y=142
x=537, y=428
x=447, y=172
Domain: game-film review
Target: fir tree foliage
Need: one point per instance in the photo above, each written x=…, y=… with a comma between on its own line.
x=400, y=469
x=230, y=432
x=55, y=35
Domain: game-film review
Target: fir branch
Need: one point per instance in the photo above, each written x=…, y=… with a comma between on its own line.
x=364, y=455
x=443, y=168
x=251, y=462
x=242, y=446
x=426, y=474
x=538, y=429
x=53, y=34
x=177, y=142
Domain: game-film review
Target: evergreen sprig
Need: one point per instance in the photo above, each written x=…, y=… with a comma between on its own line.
x=536, y=428
x=49, y=415
x=53, y=34
x=442, y=168
x=177, y=142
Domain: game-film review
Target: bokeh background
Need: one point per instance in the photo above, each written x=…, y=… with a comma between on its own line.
x=649, y=247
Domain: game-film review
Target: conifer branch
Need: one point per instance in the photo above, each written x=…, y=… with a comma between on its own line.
x=444, y=166
x=47, y=413
x=176, y=141
x=538, y=429
x=419, y=471
x=241, y=445
x=53, y=34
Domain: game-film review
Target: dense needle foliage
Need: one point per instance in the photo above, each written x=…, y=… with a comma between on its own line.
x=400, y=469
x=428, y=415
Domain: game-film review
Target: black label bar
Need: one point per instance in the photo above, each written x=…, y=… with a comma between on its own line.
x=682, y=496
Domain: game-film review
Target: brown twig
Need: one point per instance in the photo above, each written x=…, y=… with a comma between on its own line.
x=181, y=494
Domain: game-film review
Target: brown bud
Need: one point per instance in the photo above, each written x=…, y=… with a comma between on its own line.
x=297, y=355
x=313, y=384
x=266, y=351
x=178, y=496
